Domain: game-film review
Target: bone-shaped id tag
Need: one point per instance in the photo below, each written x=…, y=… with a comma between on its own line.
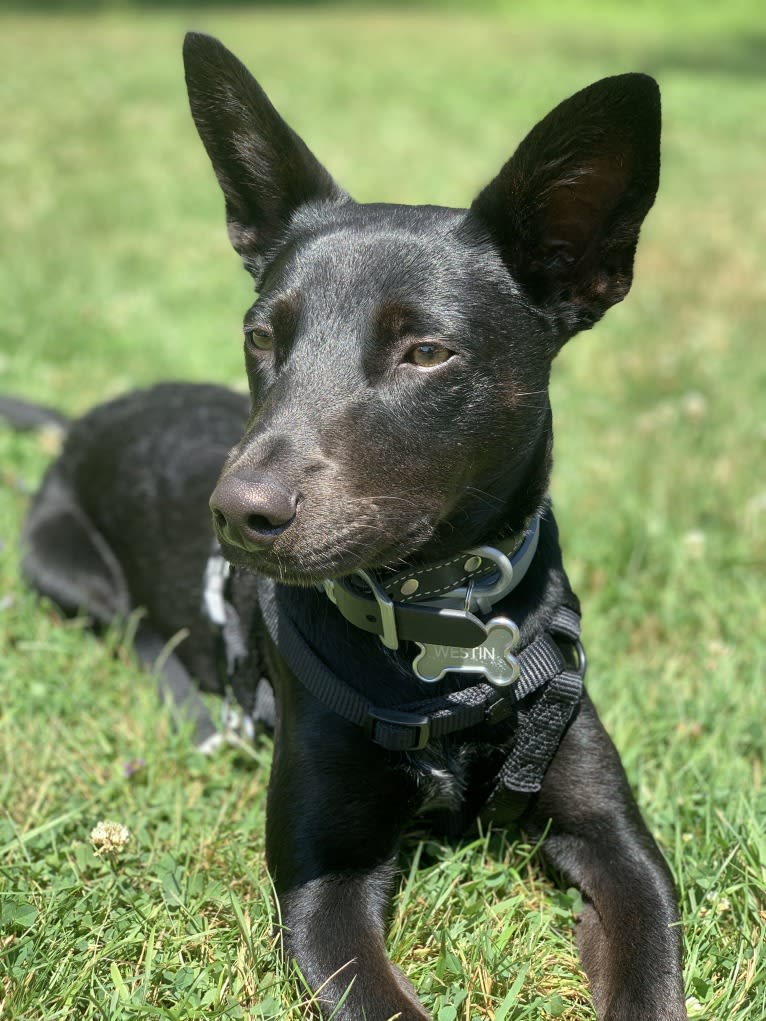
x=493, y=657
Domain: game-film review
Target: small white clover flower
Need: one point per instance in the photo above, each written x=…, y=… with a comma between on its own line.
x=695, y=543
x=694, y=405
x=109, y=837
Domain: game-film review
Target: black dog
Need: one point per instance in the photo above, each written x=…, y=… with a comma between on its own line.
x=401, y=582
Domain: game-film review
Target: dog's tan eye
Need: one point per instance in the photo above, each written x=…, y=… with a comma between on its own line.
x=259, y=338
x=428, y=356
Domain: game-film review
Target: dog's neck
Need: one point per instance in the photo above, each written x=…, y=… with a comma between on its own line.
x=361, y=660
x=500, y=505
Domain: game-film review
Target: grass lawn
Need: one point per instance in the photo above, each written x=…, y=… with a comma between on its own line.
x=116, y=271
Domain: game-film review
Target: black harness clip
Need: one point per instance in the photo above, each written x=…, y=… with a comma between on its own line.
x=421, y=725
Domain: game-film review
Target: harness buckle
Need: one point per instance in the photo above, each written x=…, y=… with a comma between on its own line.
x=420, y=724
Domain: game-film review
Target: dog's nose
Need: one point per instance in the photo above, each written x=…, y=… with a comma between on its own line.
x=251, y=509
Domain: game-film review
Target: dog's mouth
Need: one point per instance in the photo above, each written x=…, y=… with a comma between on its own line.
x=306, y=564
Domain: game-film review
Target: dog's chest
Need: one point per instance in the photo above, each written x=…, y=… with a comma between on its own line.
x=452, y=776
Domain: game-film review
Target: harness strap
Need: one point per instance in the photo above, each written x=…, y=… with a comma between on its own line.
x=469, y=707
x=539, y=733
x=411, y=726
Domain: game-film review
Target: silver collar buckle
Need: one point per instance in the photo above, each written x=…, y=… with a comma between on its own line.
x=482, y=595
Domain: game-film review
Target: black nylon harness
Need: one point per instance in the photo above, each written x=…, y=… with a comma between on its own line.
x=543, y=698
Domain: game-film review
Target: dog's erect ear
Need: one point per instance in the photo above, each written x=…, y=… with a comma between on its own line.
x=567, y=208
x=265, y=170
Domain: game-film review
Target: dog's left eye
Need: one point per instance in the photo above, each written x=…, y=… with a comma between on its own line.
x=259, y=338
x=428, y=356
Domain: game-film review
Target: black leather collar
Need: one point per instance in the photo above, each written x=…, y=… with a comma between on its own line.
x=435, y=604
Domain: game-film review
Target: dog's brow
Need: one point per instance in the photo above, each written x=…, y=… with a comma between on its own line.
x=396, y=317
x=285, y=309
x=281, y=309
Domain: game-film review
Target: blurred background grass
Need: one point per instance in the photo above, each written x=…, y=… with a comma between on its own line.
x=116, y=271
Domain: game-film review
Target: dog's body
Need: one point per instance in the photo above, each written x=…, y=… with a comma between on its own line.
x=398, y=361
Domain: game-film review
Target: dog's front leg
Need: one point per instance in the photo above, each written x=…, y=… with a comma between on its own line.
x=336, y=810
x=334, y=928
x=628, y=932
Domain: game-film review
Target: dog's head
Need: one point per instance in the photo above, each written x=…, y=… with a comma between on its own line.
x=399, y=356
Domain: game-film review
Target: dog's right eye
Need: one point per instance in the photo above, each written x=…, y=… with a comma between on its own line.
x=428, y=355
x=260, y=338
